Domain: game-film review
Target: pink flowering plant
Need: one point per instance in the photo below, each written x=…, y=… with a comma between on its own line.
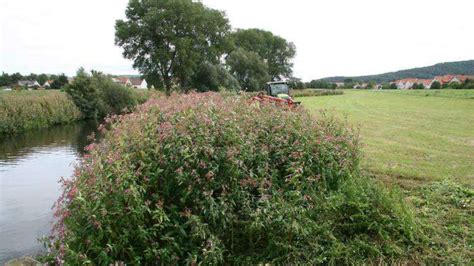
x=202, y=178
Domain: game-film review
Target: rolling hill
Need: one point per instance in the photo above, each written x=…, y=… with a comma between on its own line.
x=458, y=68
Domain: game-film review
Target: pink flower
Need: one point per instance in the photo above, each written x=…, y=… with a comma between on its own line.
x=90, y=147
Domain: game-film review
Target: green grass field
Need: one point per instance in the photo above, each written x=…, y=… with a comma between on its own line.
x=460, y=94
x=406, y=136
x=422, y=143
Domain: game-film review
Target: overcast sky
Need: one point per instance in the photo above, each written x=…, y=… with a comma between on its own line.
x=337, y=37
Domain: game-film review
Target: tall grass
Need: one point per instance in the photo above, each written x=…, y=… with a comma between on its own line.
x=24, y=110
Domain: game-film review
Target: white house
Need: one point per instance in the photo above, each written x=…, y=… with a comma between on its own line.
x=47, y=84
x=138, y=83
x=360, y=86
x=426, y=82
x=28, y=83
x=125, y=81
x=340, y=84
x=406, y=84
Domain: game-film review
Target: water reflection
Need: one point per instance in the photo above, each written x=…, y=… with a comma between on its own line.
x=30, y=167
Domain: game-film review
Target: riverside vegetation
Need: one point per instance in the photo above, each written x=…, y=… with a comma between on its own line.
x=25, y=110
x=97, y=95
x=87, y=97
x=203, y=178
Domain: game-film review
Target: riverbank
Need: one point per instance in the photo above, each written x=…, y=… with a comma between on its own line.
x=24, y=110
x=21, y=111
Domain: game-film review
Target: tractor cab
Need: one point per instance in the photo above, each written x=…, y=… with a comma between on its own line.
x=278, y=93
x=278, y=89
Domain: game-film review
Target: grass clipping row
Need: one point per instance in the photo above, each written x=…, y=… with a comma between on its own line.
x=204, y=179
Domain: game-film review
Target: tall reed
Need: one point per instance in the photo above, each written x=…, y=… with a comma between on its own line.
x=25, y=110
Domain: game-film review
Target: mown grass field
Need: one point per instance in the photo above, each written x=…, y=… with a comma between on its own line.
x=409, y=136
x=459, y=94
x=422, y=143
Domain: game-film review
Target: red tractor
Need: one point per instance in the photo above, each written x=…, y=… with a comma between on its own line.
x=278, y=93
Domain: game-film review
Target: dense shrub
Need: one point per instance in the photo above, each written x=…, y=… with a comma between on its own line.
x=114, y=98
x=436, y=85
x=418, y=86
x=455, y=85
x=468, y=85
x=205, y=179
x=211, y=77
x=24, y=110
x=98, y=96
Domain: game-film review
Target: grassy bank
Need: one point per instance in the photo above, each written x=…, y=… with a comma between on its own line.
x=422, y=143
x=25, y=110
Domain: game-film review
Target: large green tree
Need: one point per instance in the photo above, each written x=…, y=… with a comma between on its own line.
x=211, y=77
x=60, y=82
x=276, y=52
x=42, y=78
x=15, y=77
x=5, y=79
x=169, y=38
x=249, y=69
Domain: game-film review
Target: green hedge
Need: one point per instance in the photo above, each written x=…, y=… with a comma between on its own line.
x=202, y=178
x=315, y=92
x=24, y=110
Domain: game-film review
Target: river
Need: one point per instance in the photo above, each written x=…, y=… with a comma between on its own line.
x=31, y=165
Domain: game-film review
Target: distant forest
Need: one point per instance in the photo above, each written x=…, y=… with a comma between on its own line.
x=458, y=68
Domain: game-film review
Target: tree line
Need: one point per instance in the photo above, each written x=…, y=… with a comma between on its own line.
x=183, y=45
x=297, y=84
x=58, y=81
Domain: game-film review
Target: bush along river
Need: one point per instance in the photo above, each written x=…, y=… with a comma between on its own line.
x=31, y=164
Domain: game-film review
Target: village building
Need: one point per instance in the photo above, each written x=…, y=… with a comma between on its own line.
x=339, y=84
x=426, y=83
x=28, y=83
x=125, y=81
x=446, y=79
x=136, y=83
x=360, y=86
x=406, y=84
x=47, y=84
